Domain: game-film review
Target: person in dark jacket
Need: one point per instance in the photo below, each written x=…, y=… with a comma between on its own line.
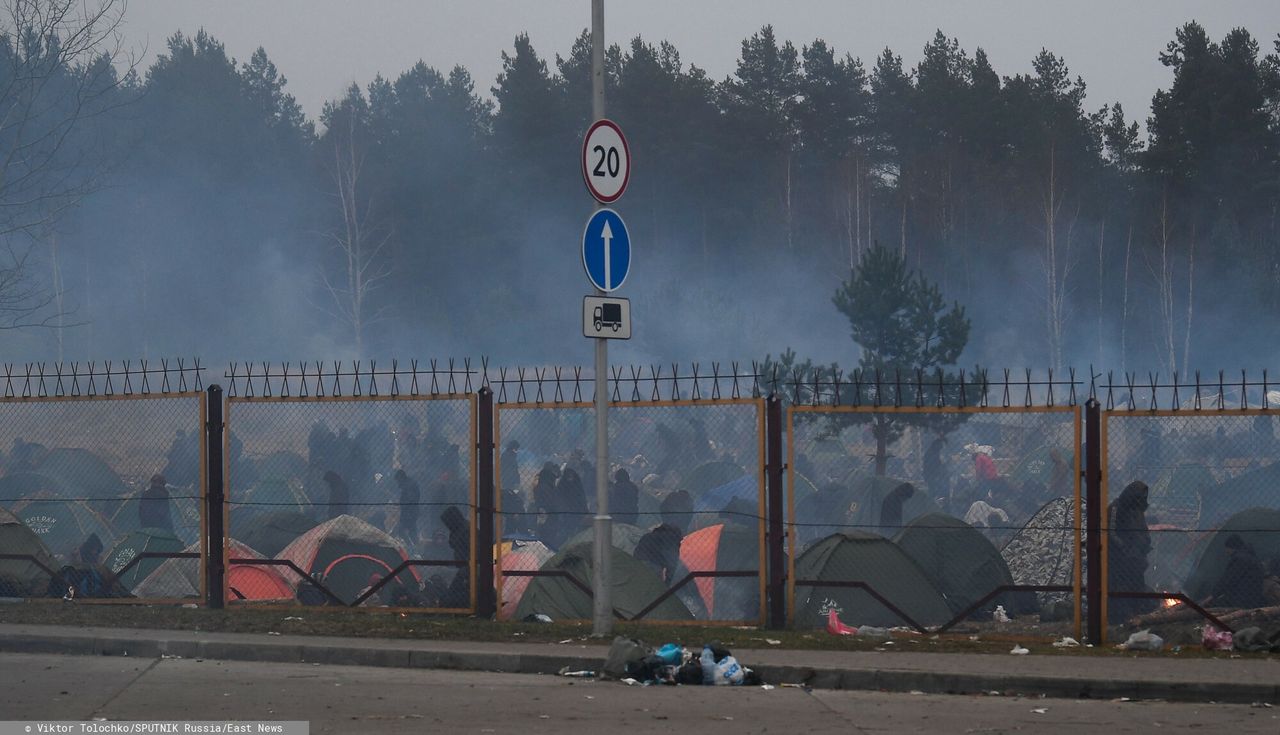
x=410, y=497
x=1241, y=582
x=509, y=464
x=1128, y=547
x=459, y=592
x=624, y=498
x=571, y=504
x=543, y=505
x=660, y=547
x=339, y=494
x=153, y=507
x=891, y=507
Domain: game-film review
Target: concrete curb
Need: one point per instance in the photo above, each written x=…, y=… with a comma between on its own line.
x=416, y=657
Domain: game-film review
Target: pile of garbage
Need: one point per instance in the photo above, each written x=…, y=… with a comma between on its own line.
x=632, y=662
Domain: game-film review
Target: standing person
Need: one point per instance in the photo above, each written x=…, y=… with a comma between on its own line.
x=572, y=500
x=891, y=508
x=660, y=547
x=624, y=499
x=936, y=477
x=410, y=497
x=339, y=494
x=153, y=508
x=510, y=466
x=542, y=504
x=1129, y=545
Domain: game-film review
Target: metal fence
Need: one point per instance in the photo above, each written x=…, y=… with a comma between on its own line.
x=686, y=494
x=903, y=510
x=339, y=494
x=1191, y=484
x=101, y=497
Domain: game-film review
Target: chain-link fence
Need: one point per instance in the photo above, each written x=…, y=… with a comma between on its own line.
x=1193, y=513
x=686, y=494
x=934, y=518
x=101, y=497
x=362, y=501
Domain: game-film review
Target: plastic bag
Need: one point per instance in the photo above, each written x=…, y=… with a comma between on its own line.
x=1144, y=640
x=729, y=672
x=870, y=631
x=1216, y=640
x=622, y=652
x=835, y=627
x=671, y=654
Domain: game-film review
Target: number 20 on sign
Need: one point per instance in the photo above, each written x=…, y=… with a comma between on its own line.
x=606, y=161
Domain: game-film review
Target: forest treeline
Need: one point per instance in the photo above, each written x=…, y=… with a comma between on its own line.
x=431, y=213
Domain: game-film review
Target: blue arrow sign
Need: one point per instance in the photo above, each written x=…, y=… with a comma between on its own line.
x=606, y=250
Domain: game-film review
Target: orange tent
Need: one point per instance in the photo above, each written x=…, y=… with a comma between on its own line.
x=728, y=548
x=345, y=553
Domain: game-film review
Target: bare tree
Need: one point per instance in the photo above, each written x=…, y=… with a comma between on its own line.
x=1164, y=272
x=60, y=63
x=358, y=238
x=1057, y=258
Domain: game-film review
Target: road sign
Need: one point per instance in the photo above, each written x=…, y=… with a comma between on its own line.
x=606, y=317
x=606, y=250
x=606, y=161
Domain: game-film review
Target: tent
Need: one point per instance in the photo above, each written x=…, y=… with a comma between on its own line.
x=143, y=540
x=1258, y=527
x=272, y=532
x=82, y=471
x=346, y=553
x=961, y=562
x=1259, y=488
x=1042, y=551
x=177, y=578
x=23, y=577
x=184, y=510
x=635, y=586
x=1038, y=466
x=63, y=525
x=727, y=548
x=876, y=561
x=522, y=556
x=1175, y=497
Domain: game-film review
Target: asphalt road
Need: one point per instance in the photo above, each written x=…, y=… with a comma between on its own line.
x=351, y=699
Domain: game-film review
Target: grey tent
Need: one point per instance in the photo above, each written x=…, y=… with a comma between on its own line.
x=875, y=561
x=635, y=586
x=270, y=533
x=27, y=577
x=963, y=564
x=1042, y=551
x=1258, y=527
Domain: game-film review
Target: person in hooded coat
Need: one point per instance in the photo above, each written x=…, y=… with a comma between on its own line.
x=153, y=507
x=1241, y=582
x=624, y=499
x=571, y=504
x=936, y=476
x=1128, y=547
x=543, y=504
x=339, y=494
x=410, y=498
x=510, y=460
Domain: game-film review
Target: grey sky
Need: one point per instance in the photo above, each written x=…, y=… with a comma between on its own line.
x=324, y=45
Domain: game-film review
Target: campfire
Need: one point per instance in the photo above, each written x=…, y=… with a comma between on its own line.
x=1170, y=602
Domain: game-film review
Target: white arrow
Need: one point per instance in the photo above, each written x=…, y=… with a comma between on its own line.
x=607, y=235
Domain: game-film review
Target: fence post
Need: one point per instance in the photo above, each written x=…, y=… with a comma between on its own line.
x=1093, y=521
x=215, y=495
x=776, y=536
x=486, y=595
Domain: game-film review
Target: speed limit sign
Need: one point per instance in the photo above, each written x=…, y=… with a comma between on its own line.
x=606, y=161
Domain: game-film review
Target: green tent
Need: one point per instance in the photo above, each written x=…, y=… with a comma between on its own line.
x=1176, y=496
x=961, y=562
x=635, y=586
x=1259, y=488
x=1258, y=527
x=270, y=533
x=63, y=525
x=23, y=577
x=875, y=561
x=137, y=542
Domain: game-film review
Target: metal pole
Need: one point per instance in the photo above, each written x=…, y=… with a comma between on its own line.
x=602, y=576
x=215, y=497
x=486, y=595
x=776, y=535
x=1094, y=595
